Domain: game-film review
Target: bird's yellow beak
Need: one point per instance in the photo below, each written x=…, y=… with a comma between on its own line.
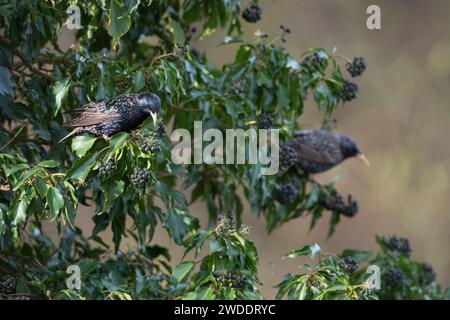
x=363, y=158
x=154, y=117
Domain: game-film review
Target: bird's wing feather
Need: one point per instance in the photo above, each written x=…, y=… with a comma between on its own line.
x=90, y=115
x=307, y=152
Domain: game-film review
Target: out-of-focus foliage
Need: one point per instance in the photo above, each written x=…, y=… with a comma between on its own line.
x=401, y=277
x=38, y=268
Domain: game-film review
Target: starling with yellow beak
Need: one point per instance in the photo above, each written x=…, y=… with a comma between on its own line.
x=320, y=150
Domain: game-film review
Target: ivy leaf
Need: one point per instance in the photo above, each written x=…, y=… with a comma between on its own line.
x=82, y=144
x=282, y=96
x=20, y=213
x=117, y=141
x=138, y=81
x=310, y=250
x=48, y=164
x=182, y=271
x=206, y=294
x=55, y=201
x=60, y=90
x=175, y=222
x=214, y=246
x=313, y=197
x=359, y=255
x=177, y=31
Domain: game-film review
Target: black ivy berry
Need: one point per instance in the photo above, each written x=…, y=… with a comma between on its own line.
x=288, y=157
x=397, y=244
x=428, y=275
x=140, y=178
x=7, y=284
x=349, y=265
x=252, y=14
x=314, y=61
x=151, y=145
x=394, y=277
x=265, y=120
x=108, y=169
x=357, y=67
x=161, y=131
x=348, y=91
x=336, y=203
x=287, y=193
x=106, y=117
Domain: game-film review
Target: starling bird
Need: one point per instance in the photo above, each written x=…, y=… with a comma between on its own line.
x=319, y=150
x=109, y=116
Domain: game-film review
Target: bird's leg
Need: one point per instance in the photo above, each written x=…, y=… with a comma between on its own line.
x=104, y=136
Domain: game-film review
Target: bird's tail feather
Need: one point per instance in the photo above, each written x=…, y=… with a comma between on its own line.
x=71, y=133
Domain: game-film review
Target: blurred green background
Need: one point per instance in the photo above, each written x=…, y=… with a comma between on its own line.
x=400, y=120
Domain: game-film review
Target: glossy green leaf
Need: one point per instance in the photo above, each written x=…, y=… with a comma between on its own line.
x=182, y=270
x=82, y=144
x=55, y=201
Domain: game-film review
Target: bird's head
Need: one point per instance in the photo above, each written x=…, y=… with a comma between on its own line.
x=349, y=148
x=150, y=103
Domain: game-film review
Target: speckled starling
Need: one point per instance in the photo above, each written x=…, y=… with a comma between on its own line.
x=319, y=150
x=109, y=116
x=140, y=178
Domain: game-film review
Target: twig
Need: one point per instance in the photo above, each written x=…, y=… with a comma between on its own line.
x=160, y=57
x=33, y=69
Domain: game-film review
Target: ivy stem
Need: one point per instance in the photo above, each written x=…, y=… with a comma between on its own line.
x=12, y=139
x=343, y=57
